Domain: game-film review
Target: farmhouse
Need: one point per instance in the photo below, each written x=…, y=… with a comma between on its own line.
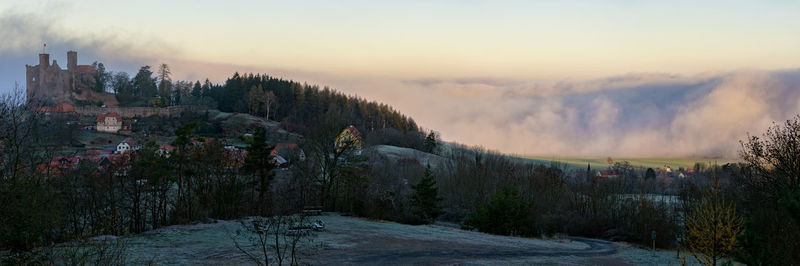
x=109, y=122
x=350, y=138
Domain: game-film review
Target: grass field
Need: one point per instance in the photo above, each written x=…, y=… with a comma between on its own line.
x=643, y=162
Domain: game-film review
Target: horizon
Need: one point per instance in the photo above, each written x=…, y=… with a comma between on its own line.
x=619, y=78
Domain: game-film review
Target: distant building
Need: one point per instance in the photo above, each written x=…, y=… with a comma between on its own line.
x=613, y=173
x=51, y=84
x=109, y=122
x=165, y=150
x=349, y=138
x=127, y=145
x=288, y=151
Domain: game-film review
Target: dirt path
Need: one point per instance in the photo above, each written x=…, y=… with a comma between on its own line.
x=390, y=243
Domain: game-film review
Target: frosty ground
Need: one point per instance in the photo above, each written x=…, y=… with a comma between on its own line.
x=350, y=240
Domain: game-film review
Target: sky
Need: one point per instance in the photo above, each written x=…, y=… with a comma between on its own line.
x=561, y=78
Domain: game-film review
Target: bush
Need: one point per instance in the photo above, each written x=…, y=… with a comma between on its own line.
x=507, y=213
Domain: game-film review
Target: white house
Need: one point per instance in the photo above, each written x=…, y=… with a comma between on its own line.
x=127, y=145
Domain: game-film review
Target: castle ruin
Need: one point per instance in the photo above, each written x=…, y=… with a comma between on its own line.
x=52, y=85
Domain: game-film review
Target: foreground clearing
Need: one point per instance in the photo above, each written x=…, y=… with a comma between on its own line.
x=349, y=240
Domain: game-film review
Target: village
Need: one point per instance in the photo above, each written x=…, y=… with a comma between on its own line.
x=104, y=147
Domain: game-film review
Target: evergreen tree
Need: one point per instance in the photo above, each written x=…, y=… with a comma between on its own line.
x=507, y=213
x=650, y=174
x=425, y=199
x=144, y=85
x=197, y=90
x=164, y=81
x=430, y=143
x=259, y=164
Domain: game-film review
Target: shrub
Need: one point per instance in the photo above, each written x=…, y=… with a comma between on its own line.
x=507, y=213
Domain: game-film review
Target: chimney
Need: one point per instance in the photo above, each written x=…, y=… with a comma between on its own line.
x=72, y=60
x=44, y=59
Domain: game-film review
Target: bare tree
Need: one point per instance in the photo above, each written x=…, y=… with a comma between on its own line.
x=329, y=157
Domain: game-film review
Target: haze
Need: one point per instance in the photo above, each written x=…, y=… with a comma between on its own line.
x=611, y=78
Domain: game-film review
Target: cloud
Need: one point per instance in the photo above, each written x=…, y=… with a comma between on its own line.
x=648, y=115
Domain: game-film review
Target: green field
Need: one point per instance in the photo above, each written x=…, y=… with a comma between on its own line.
x=643, y=162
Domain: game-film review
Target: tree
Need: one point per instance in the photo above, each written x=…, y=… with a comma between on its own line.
x=712, y=226
x=144, y=85
x=255, y=99
x=164, y=81
x=259, y=164
x=507, y=213
x=121, y=84
x=431, y=142
x=102, y=78
x=650, y=174
x=769, y=175
x=425, y=199
x=329, y=158
x=182, y=142
x=269, y=101
x=197, y=90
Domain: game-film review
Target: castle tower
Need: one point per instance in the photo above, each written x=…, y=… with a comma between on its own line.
x=72, y=61
x=44, y=59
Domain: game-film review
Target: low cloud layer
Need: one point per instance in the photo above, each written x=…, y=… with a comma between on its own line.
x=631, y=115
x=649, y=115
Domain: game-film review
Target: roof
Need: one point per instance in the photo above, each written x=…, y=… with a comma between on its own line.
x=353, y=130
x=280, y=160
x=97, y=152
x=130, y=141
x=166, y=147
x=609, y=172
x=61, y=108
x=102, y=117
x=85, y=69
x=283, y=148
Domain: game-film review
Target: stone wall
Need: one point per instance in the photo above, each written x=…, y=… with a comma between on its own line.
x=137, y=111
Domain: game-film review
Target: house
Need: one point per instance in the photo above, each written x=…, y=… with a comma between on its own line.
x=201, y=142
x=350, y=138
x=109, y=122
x=613, y=173
x=279, y=161
x=165, y=150
x=127, y=145
x=59, y=165
x=288, y=151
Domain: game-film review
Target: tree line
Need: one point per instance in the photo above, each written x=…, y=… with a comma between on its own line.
x=296, y=105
